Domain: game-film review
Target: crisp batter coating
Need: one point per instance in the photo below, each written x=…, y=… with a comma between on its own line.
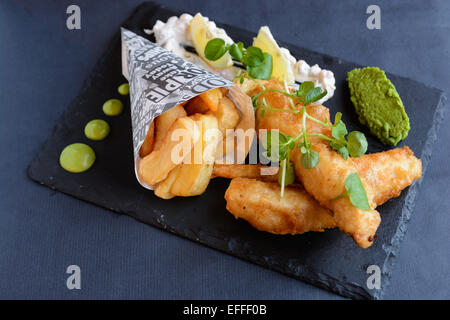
x=286, y=122
x=326, y=181
x=252, y=171
x=383, y=175
x=260, y=204
x=389, y=172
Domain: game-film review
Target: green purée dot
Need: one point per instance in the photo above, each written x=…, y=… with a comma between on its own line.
x=77, y=157
x=113, y=107
x=124, y=89
x=97, y=129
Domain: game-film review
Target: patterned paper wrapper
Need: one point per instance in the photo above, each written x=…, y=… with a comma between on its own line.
x=160, y=80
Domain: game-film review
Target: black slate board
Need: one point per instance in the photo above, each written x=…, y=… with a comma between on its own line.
x=328, y=260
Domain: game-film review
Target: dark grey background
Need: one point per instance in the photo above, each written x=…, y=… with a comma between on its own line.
x=42, y=68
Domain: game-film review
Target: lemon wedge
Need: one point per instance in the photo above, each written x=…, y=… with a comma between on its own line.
x=201, y=34
x=282, y=70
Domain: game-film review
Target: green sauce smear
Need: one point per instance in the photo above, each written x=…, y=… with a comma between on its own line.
x=77, y=157
x=124, y=89
x=113, y=107
x=378, y=104
x=97, y=129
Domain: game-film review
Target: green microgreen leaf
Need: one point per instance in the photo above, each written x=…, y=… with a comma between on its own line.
x=275, y=144
x=356, y=144
x=310, y=159
x=288, y=172
x=237, y=51
x=215, y=49
x=340, y=148
x=339, y=130
x=262, y=70
x=304, y=88
x=253, y=57
x=314, y=94
x=355, y=192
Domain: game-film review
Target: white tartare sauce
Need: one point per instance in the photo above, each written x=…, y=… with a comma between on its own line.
x=320, y=77
x=174, y=35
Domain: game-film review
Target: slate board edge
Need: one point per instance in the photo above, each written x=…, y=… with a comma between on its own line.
x=335, y=286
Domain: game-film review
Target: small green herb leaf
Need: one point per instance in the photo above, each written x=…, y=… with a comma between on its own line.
x=236, y=51
x=253, y=57
x=356, y=192
x=338, y=131
x=337, y=117
x=262, y=70
x=289, y=174
x=314, y=94
x=356, y=144
x=215, y=49
x=304, y=88
x=340, y=148
x=310, y=159
x=275, y=143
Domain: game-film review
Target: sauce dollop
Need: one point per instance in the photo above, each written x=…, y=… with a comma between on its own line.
x=77, y=157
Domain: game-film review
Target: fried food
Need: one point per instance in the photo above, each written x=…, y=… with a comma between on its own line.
x=162, y=189
x=164, y=121
x=176, y=146
x=193, y=178
x=261, y=205
x=288, y=123
x=389, y=172
x=212, y=98
x=249, y=87
x=208, y=100
x=227, y=115
x=149, y=141
x=196, y=105
x=251, y=171
x=326, y=181
x=235, y=147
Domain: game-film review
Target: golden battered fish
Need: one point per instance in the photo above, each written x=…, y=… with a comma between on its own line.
x=287, y=122
x=251, y=171
x=327, y=180
x=260, y=204
x=389, y=172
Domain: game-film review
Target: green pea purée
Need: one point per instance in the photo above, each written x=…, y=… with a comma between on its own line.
x=378, y=104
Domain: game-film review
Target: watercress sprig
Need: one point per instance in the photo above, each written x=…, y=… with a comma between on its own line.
x=355, y=192
x=259, y=64
x=279, y=145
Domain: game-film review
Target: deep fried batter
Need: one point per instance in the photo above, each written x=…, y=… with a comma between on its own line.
x=260, y=204
x=251, y=171
x=389, y=172
x=383, y=175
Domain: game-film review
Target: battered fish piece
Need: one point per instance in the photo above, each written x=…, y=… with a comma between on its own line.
x=383, y=175
x=251, y=171
x=326, y=181
x=288, y=123
x=389, y=172
x=260, y=204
